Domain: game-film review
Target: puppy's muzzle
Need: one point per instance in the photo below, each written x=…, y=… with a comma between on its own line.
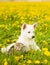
x=33, y=36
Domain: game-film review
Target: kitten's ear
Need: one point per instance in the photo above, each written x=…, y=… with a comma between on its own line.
x=24, y=26
x=34, y=25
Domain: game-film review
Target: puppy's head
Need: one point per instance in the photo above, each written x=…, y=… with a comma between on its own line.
x=28, y=30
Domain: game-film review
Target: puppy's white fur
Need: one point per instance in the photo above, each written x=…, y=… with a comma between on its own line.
x=27, y=32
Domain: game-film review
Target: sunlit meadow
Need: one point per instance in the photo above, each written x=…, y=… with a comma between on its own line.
x=12, y=16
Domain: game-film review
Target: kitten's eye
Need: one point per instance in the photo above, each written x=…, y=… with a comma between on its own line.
x=29, y=32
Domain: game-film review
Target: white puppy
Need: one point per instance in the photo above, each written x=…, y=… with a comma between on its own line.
x=26, y=38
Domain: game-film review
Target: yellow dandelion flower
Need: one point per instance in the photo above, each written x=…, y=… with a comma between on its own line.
x=8, y=41
x=0, y=45
x=14, y=16
x=5, y=62
x=37, y=62
x=18, y=26
x=2, y=26
x=45, y=42
x=22, y=21
x=47, y=17
x=21, y=56
x=3, y=46
x=29, y=61
x=22, y=17
x=46, y=25
x=5, y=18
x=40, y=28
x=46, y=28
x=45, y=61
x=17, y=58
x=40, y=33
x=6, y=26
x=47, y=53
x=15, y=23
x=23, y=64
x=19, y=14
x=39, y=21
x=45, y=49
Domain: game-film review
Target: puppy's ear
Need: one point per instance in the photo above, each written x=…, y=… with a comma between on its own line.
x=34, y=25
x=24, y=26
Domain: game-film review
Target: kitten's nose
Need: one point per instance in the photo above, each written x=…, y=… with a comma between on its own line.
x=33, y=36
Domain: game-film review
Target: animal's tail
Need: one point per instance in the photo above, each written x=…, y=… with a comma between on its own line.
x=6, y=49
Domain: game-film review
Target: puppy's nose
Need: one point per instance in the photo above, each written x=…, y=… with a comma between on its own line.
x=33, y=36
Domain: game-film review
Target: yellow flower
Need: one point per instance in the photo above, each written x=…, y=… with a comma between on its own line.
x=21, y=56
x=40, y=21
x=37, y=62
x=5, y=18
x=47, y=17
x=45, y=61
x=23, y=64
x=17, y=58
x=8, y=41
x=40, y=28
x=5, y=62
x=2, y=26
x=45, y=49
x=46, y=25
x=29, y=61
x=18, y=26
x=14, y=16
x=22, y=21
x=3, y=46
x=22, y=17
x=47, y=53
x=40, y=33
x=6, y=26
x=45, y=42
x=0, y=45
x=15, y=23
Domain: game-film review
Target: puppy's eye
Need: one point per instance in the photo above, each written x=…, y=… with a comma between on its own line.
x=29, y=32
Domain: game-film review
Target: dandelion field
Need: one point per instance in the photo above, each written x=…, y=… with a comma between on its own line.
x=12, y=16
